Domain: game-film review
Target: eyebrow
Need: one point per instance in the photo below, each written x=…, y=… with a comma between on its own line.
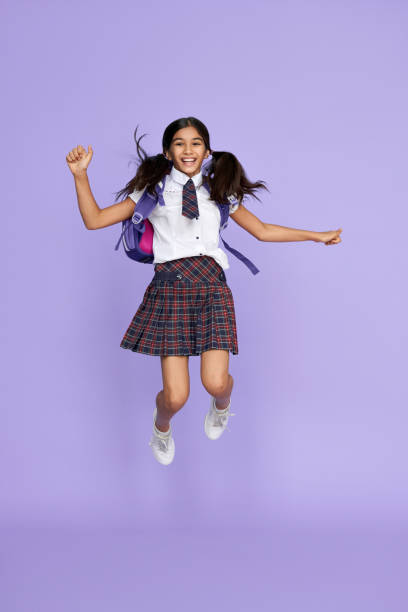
x=195, y=138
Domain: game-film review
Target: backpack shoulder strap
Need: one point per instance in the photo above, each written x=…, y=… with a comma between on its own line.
x=249, y=264
x=148, y=201
x=159, y=190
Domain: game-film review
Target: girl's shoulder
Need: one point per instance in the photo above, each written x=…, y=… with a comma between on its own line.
x=137, y=194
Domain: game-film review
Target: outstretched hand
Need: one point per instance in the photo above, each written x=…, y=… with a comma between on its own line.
x=78, y=159
x=331, y=237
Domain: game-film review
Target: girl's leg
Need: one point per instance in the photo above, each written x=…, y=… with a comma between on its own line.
x=215, y=376
x=176, y=389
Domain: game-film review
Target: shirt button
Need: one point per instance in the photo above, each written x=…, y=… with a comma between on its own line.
x=197, y=236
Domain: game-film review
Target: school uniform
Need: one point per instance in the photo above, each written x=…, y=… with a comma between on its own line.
x=188, y=307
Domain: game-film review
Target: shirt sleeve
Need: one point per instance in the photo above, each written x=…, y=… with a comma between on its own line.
x=234, y=207
x=136, y=195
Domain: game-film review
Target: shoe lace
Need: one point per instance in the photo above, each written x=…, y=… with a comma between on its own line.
x=219, y=420
x=160, y=443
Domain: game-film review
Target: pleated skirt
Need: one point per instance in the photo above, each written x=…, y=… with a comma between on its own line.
x=186, y=316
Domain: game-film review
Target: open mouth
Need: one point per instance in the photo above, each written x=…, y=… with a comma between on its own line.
x=189, y=161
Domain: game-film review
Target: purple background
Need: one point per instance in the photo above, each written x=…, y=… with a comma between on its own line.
x=303, y=504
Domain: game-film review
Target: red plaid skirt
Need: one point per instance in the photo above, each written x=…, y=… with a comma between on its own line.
x=187, y=316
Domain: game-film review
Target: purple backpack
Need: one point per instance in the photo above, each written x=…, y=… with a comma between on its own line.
x=137, y=231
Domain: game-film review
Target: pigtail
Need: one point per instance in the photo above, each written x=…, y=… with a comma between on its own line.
x=226, y=177
x=151, y=170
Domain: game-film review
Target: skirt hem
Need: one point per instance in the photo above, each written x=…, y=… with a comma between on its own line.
x=145, y=352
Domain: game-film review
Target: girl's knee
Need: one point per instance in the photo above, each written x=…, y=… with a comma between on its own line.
x=174, y=400
x=218, y=386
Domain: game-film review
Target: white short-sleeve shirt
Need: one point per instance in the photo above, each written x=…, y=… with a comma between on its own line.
x=177, y=236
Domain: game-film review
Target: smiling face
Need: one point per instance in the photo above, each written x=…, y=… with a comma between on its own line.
x=187, y=151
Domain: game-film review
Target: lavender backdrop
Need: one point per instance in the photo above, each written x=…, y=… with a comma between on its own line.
x=303, y=504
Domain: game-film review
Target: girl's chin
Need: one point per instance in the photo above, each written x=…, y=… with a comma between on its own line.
x=184, y=167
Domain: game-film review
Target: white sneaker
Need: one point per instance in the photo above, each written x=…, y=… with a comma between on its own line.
x=216, y=420
x=162, y=444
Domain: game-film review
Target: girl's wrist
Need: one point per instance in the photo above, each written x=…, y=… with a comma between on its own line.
x=81, y=174
x=315, y=236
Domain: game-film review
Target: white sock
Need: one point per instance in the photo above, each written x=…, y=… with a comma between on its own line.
x=162, y=433
x=222, y=411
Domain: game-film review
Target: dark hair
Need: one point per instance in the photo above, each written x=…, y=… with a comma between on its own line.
x=226, y=176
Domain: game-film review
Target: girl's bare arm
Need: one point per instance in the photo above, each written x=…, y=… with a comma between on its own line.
x=93, y=216
x=268, y=232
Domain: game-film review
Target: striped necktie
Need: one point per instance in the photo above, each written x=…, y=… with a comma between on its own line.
x=190, y=204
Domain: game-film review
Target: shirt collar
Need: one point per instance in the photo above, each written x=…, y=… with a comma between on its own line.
x=182, y=178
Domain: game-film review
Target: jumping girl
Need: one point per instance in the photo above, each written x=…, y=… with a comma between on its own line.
x=188, y=307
